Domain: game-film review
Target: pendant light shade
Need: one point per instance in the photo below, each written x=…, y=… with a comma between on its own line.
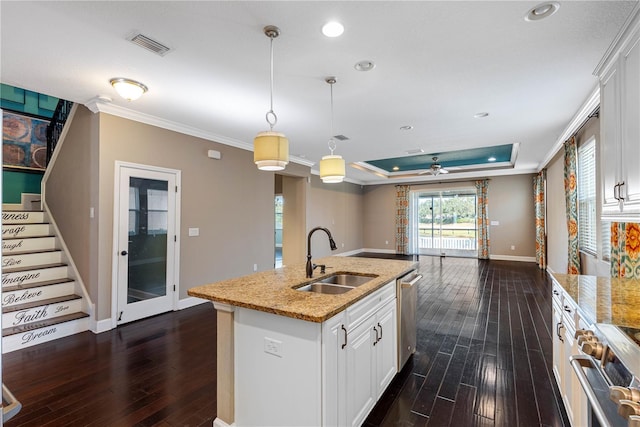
x=271, y=149
x=332, y=167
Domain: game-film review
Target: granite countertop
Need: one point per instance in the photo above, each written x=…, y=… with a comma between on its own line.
x=604, y=299
x=274, y=291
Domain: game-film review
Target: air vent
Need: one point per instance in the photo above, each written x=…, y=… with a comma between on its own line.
x=341, y=137
x=415, y=151
x=149, y=44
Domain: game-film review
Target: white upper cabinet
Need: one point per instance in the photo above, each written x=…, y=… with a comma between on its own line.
x=619, y=74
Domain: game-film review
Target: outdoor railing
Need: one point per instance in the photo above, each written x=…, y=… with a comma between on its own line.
x=462, y=243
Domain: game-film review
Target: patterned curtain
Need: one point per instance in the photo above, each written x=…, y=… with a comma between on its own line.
x=541, y=238
x=571, y=195
x=482, y=188
x=625, y=250
x=402, y=219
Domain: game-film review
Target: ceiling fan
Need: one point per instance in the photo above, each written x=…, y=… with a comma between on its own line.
x=435, y=169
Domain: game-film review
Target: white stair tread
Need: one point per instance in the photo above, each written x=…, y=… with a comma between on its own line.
x=33, y=267
x=43, y=324
x=36, y=284
x=28, y=305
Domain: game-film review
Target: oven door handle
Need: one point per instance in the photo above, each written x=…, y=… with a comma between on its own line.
x=577, y=363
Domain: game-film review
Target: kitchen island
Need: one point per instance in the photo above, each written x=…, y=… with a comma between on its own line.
x=290, y=357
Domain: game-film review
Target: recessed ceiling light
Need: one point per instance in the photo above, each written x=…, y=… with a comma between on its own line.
x=541, y=11
x=332, y=29
x=365, y=65
x=406, y=127
x=481, y=115
x=396, y=168
x=491, y=159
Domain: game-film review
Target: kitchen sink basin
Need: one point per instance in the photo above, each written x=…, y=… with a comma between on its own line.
x=325, y=288
x=346, y=279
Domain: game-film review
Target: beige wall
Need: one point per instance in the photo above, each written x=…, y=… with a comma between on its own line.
x=70, y=197
x=556, y=218
x=557, y=235
x=229, y=200
x=338, y=207
x=510, y=203
x=379, y=217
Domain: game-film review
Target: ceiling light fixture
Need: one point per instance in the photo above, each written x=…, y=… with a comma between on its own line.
x=332, y=29
x=396, y=168
x=491, y=159
x=541, y=11
x=271, y=149
x=365, y=65
x=332, y=168
x=127, y=88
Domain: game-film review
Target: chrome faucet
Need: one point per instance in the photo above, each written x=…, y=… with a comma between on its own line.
x=332, y=245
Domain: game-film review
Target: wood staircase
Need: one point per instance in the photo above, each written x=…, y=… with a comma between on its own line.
x=41, y=300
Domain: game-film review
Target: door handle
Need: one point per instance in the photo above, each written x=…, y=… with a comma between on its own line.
x=123, y=253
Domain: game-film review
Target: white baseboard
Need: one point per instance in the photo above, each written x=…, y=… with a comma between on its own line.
x=190, y=302
x=105, y=324
x=97, y=327
x=512, y=258
x=219, y=423
x=550, y=270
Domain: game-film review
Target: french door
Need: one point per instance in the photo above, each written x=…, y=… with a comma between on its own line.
x=444, y=223
x=146, y=241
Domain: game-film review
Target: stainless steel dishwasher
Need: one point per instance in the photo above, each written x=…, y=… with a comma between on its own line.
x=407, y=289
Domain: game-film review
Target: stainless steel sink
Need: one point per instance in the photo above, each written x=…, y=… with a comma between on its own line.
x=346, y=279
x=325, y=288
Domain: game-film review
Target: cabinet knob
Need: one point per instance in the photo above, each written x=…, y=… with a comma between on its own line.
x=628, y=408
x=593, y=348
x=618, y=394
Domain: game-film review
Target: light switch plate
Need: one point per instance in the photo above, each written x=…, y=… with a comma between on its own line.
x=194, y=232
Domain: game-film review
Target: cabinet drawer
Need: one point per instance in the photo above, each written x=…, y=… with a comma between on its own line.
x=364, y=308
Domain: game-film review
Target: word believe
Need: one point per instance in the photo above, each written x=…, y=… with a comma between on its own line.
x=25, y=296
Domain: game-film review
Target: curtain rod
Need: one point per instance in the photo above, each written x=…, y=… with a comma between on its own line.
x=594, y=113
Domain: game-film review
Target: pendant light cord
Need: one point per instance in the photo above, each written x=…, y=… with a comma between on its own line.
x=271, y=117
x=332, y=142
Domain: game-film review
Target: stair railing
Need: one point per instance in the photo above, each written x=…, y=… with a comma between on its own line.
x=60, y=115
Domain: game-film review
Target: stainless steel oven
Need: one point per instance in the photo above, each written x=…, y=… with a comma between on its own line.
x=608, y=371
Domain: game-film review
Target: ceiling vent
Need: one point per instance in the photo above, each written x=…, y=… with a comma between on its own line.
x=149, y=44
x=341, y=137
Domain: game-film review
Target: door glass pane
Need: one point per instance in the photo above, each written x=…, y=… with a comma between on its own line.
x=148, y=209
x=447, y=223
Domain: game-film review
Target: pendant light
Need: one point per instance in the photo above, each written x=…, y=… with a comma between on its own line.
x=332, y=169
x=271, y=149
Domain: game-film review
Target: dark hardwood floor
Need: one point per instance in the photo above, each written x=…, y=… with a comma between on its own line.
x=484, y=358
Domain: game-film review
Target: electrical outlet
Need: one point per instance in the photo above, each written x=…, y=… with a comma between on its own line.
x=194, y=232
x=272, y=346
x=255, y=267
x=513, y=248
x=386, y=242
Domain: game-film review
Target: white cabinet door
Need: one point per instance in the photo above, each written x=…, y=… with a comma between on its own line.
x=568, y=375
x=630, y=123
x=386, y=347
x=361, y=380
x=558, y=346
x=334, y=336
x=610, y=157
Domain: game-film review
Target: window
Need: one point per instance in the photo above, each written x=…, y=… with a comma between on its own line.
x=587, y=234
